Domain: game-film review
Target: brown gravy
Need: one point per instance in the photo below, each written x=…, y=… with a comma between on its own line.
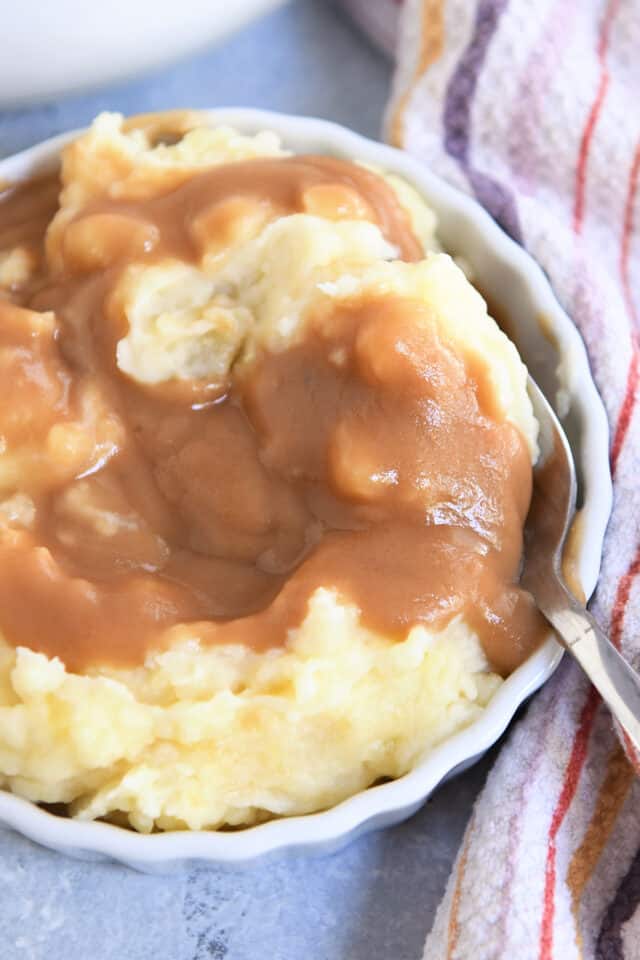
x=310, y=184
x=367, y=458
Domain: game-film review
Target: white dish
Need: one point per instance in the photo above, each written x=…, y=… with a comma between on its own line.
x=555, y=354
x=53, y=48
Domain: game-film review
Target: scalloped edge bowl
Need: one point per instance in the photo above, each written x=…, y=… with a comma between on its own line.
x=555, y=354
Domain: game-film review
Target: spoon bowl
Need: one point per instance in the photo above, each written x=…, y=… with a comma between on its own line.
x=552, y=509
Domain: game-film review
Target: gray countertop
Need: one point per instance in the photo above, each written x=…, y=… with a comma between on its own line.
x=376, y=899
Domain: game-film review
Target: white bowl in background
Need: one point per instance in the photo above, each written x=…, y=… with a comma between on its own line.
x=49, y=49
x=556, y=357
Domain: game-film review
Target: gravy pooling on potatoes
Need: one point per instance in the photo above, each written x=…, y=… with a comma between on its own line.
x=368, y=457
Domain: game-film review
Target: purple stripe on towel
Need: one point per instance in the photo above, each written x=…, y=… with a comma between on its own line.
x=494, y=196
x=621, y=909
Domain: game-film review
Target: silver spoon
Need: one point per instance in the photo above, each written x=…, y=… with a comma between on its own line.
x=552, y=508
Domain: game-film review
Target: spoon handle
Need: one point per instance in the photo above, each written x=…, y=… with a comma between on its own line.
x=616, y=682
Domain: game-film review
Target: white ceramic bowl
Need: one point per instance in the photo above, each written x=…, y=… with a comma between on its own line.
x=53, y=48
x=555, y=354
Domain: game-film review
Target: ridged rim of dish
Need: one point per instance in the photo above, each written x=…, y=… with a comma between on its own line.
x=388, y=802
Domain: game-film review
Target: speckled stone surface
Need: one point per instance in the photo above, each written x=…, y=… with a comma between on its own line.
x=373, y=901
x=376, y=899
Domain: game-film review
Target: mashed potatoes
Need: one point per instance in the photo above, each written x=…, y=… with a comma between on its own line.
x=202, y=736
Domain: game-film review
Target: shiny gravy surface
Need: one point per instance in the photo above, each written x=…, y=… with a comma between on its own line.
x=367, y=458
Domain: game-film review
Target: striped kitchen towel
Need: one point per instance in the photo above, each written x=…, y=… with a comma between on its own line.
x=533, y=106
